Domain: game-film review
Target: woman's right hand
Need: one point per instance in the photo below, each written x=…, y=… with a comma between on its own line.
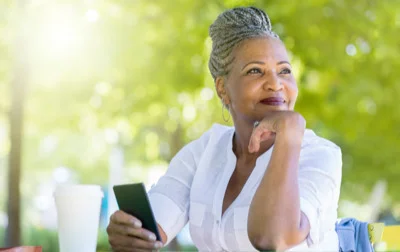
x=125, y=233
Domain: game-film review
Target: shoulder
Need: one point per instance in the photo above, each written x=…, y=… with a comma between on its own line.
x=313, y=140
x=217, y=135
x=313, y=143
x=320, y=153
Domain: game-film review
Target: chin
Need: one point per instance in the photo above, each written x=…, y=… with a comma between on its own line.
x=278, y=108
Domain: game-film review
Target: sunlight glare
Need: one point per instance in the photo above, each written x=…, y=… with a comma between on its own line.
x=61, y=37
x=59, y=32
x=92, y=15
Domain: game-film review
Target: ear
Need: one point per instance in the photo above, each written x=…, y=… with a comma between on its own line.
x=221, y=90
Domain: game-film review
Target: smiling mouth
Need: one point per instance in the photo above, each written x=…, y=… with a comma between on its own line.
x=273, y=101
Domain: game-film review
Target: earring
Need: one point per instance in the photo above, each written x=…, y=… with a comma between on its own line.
x=223, y=113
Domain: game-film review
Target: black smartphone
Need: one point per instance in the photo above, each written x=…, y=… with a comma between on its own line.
x=132, y=199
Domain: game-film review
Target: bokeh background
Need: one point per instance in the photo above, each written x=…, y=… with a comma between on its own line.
x=111, y=89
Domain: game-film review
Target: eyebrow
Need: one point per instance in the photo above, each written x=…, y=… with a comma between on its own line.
x=263, y=63
x=283, y=62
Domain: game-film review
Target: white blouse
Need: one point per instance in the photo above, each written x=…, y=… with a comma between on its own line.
x=193, y=188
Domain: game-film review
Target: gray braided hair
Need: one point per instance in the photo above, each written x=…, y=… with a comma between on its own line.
x=229, y=29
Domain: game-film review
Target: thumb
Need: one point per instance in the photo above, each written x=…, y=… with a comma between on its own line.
x=266, y=135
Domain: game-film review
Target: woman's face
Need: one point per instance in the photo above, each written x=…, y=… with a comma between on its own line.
x=260, y=80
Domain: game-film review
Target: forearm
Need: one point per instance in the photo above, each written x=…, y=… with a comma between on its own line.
x=274, y=216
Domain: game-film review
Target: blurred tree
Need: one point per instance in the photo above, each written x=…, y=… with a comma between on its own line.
x=18, y=86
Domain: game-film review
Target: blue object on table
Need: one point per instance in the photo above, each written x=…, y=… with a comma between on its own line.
x=353, y=236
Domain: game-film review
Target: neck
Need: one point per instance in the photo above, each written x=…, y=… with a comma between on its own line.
x=243, y=131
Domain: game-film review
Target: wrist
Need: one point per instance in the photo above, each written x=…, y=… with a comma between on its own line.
x=291, y=137
x=293, y=126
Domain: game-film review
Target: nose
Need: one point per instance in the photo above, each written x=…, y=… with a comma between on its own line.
x=272, y=82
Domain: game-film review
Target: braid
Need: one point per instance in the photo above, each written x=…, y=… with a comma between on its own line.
x=229, y=29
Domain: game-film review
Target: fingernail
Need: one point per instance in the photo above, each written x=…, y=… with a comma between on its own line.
x=152, y=237
x=158, y=245
x=137, y=224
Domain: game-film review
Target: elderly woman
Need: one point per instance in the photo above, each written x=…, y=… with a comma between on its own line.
x=267, y=182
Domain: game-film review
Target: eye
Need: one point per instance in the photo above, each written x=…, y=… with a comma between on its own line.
x=286, y=71
x=254, y=71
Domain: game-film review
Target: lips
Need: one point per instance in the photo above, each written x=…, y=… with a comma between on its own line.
x=273, y=101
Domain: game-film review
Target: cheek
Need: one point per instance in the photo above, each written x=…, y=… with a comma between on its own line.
x=247, y=92
x=242, y=94
x=292, y=93
x=236, y=91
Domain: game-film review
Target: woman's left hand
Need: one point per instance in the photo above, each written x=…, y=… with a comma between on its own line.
x=283, y=123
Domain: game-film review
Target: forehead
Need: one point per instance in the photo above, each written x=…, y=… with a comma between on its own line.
x=260, y=49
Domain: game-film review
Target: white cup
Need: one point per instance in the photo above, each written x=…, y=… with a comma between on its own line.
x=78, y=214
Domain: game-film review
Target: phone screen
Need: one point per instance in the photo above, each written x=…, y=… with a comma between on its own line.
x=132, y=199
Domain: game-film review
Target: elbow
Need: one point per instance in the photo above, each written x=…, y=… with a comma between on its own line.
x=274, y=241
x=262, y=243
x=264, y=240
x=275, y=237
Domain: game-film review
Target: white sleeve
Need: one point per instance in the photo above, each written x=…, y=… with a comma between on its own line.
x=169, y=198
x=320, y=173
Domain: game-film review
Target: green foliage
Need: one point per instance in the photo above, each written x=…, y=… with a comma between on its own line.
x=48, y=239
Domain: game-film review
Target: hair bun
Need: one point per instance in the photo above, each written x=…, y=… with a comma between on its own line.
x=230, y=28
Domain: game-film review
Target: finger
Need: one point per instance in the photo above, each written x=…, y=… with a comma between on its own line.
x=266, y=135
x=260, y=134
x=144, y=250
x=123, y=218
x=254, y=143
x=122, y=249
x=118, y=241
x=132, y=231
x=129, y=249
x=126, y=249
x=142, y=244
x=133, y=242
